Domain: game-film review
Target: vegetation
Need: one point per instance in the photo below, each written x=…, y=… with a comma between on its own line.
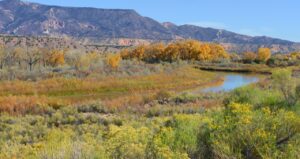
x=141, y=103
x=182, y=50
x=240, y=130
x=263, y=54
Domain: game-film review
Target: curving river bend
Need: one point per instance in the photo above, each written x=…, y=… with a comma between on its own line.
x=232, y=81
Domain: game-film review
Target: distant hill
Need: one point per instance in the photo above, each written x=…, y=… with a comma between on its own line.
x=117, y=27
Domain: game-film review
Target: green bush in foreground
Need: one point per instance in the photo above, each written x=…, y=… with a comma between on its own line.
x=238, y=131
x=241, y=132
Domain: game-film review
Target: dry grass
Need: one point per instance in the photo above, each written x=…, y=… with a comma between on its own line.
x=114, y=92
x=28, y=104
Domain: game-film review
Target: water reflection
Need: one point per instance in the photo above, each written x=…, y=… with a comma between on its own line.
x=232, y=81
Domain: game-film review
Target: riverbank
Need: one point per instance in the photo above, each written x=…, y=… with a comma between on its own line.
x=21, y=96
x=243, y=68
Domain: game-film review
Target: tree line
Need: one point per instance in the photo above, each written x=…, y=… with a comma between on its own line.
x=191, y=50
x=180, y=50
x=29, y=57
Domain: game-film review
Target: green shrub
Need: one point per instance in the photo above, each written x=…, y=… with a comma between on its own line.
x=256, y=97
x=185, y=98
x=242, y=132
x=284, y=82
x=163, y=95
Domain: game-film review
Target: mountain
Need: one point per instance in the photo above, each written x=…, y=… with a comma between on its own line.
x=106, y=25
x=23, y=18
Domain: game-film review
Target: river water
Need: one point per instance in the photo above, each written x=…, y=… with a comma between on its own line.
x=232, y=81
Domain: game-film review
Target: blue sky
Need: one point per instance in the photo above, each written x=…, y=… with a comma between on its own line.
x=276, y=18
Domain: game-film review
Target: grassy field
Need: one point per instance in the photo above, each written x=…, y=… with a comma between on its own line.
x=115, y=92
x=179, y=126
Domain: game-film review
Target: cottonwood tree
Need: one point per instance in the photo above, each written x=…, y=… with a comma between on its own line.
x=139, y=52
x=2, y=56
x=18, y=55
x=73, y=56
x=32, y=57
x=93, y=56
x=218, y=52
x=83, y=63
x=235, y=57
x=114, y=60
x=6, y=56
x=204, y=53
x=154, y=52
x=45, y=56
x=249, y=57
x=263, y=54
x=56, y=58
x=171, y=53
x=184, y=50
x=189, y=49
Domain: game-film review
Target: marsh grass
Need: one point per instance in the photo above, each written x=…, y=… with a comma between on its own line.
x=115, y=92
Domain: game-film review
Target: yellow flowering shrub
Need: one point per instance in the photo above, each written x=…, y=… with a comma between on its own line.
x=248, y=132
x=126, y=141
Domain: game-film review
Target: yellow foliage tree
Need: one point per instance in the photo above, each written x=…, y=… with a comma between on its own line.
x=184, y=50
x=263, y=54
x=57, y=57
x=154, y=52
x=125, y=54
x=171, y=53
x=139, y=52
x=114, y=60
x=218, y=52
x=204, y=52
x=189, y=49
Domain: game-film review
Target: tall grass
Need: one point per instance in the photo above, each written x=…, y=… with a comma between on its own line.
x=115, y=92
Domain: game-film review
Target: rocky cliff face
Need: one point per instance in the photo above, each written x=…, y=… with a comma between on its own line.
x=117, y=25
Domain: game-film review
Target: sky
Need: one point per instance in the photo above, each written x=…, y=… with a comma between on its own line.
x=275, y=18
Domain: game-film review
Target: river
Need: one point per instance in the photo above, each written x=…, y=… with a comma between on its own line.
x=232, y=81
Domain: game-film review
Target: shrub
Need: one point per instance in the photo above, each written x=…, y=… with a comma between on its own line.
x=126, y=142
x=163, y=95
x=185, y=98
x=256, y=97
x=283, y=81
x=241, y=132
